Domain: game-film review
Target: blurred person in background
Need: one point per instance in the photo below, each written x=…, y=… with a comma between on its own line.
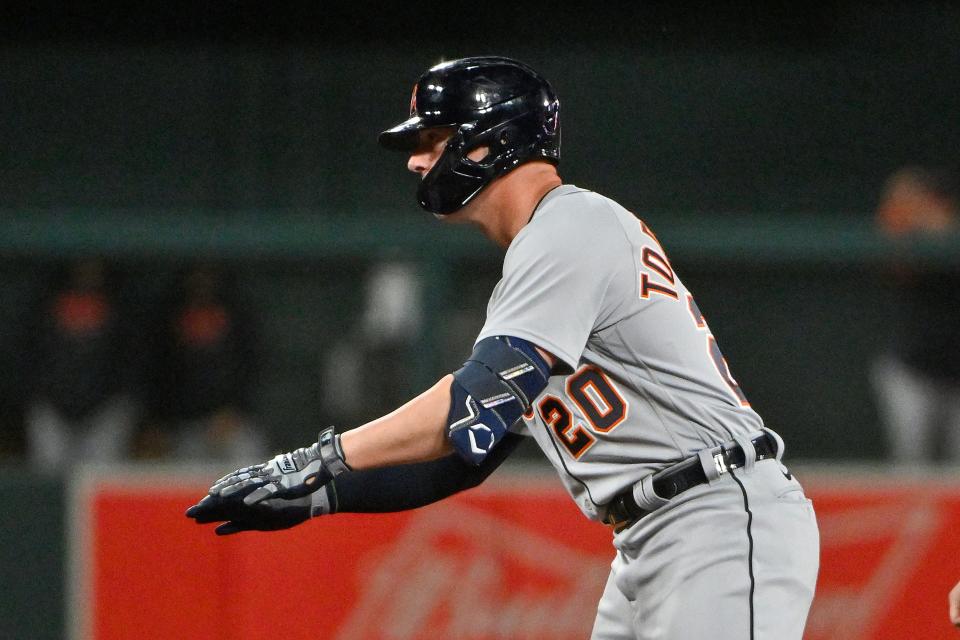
x=78, y=405
x=362, y=368
x=917, y=378
x=205, y=362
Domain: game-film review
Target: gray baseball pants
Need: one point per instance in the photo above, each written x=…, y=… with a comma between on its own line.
x=735, y=559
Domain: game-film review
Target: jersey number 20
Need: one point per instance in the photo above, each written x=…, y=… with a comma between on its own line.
x=599, y=402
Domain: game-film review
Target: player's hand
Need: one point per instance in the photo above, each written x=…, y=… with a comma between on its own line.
x=288, y=475
x=271, y=514
x=954, y=599
x=277, y=494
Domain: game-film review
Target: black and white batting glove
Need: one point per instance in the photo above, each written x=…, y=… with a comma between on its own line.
x=272, y=514
x=288, y=475
x=278, y=494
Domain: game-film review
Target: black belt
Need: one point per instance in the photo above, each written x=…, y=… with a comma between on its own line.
x=623, y=510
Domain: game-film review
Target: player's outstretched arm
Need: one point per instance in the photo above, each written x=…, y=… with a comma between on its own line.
x=380, y=490
x=416, y=432
x=468, y=412
x=412, y=486
x=286, y=490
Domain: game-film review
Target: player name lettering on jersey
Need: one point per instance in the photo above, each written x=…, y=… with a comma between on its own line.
x=656, y=274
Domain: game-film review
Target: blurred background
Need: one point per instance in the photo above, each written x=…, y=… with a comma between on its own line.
x=205, y=258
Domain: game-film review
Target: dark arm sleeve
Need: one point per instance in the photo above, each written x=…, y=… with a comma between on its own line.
x=410, y=486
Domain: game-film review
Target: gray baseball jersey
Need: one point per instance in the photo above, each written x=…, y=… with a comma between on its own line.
x=644, y=383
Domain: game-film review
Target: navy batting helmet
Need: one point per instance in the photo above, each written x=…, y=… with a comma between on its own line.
x=492, y=101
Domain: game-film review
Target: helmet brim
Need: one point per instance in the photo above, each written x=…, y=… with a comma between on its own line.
x=404, y=136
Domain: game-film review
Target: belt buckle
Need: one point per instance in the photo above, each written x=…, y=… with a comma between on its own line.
x=617, y=525
x=720, y=463
x=611, y=518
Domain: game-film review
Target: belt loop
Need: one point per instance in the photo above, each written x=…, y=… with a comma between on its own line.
x=749, y=452
x=711, y=463
x=644, y=495
x=776, y=438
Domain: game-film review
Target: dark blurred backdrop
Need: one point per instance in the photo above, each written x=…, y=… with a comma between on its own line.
x=712, y=107
x=755, y=138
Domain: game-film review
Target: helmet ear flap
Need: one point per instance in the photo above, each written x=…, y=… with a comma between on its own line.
x=465, y=140
x=551, y=121
x=507, y=139
x=498, y=142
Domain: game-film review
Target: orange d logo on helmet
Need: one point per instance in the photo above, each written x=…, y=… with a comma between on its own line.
x=413, y=101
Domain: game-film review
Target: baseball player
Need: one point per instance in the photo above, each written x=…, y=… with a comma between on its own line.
x=592, y=346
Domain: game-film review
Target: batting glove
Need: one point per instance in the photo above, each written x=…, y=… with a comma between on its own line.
x=287, y=476
x=271, y=514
